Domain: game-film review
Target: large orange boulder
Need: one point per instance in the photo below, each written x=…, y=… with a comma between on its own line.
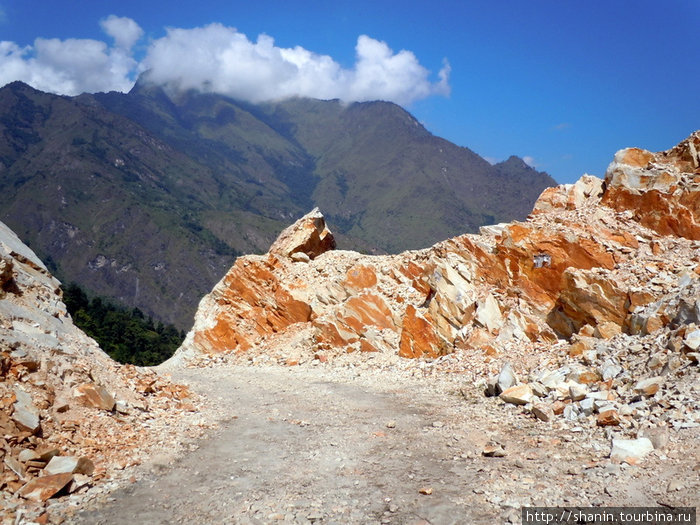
x=308, y=235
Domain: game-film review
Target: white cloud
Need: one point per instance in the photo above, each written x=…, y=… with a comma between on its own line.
x=219, y=59
x=73, y=66
x=530, y=161
x=124, y=30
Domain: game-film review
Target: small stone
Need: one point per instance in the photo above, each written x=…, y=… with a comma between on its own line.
x=539, y=389
x=493, y=450
x=46, y=453
x=692, y=340
x=610, y=370
x=675, y=485
x=25, y=414
x=92, y=395
x=43, y=488
x=542, y=412
x=517, y=395
x=570, y=413
x=587, y=406
x=608, y=418
x=391, y=424
x=648, y=387
x=27, y=455
x=300, y=257
x=630, y=450
x=506, y=378
x=426, y=491
x=607, y=330
x=577, y=391
x=15, y=466
x=558, y=407
x=438, y=424
x=79, y=481
x=70, y=464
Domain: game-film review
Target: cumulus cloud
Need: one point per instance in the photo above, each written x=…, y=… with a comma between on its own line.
x=74, y=66
x=124, y=31
x=219, y=59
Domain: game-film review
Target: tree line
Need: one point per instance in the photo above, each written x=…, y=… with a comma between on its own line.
x=126, y=334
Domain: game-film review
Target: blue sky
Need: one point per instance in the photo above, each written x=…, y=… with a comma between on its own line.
x=561, y=83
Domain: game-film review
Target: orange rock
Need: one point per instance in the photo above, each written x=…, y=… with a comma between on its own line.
x=308, y=235
x=587, y=298
x=43, y=488
x=654, y=323
x=636, y=157
x=588, y=377
x=640, y=298
x=418, y=275
x=366, y=346
x=249, y=303
x=607, y=330
x=577, y=348
x=360, y=276
x=558, y=407
x=365, y=310
x=327, y=334
x=608, y=418
x=92, y=395
x=658, y=187
x=418, y=337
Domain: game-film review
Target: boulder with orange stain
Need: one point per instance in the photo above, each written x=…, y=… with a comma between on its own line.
x=661, y=188
x=308, y=235
x=249, y=303
x=588, y=297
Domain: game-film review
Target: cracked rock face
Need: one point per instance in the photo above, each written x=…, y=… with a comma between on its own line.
x=587, y=263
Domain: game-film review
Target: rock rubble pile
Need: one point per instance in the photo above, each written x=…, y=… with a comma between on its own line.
x=70, y=417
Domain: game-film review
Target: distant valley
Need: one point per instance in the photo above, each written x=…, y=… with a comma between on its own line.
x=148, y=198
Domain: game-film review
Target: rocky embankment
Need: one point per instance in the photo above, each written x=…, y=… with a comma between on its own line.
x=587, y=314
x=70, y=418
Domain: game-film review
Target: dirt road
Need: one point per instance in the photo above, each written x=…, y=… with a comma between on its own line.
x=322, y=445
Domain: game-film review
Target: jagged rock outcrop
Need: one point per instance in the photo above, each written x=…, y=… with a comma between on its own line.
x=581, y=264
x=586, y=263
x=308, y=236
x=69, y=415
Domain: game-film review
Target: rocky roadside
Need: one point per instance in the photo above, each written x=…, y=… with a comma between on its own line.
x=71, y=420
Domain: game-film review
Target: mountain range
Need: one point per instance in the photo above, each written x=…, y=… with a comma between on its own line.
x=147, y=197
